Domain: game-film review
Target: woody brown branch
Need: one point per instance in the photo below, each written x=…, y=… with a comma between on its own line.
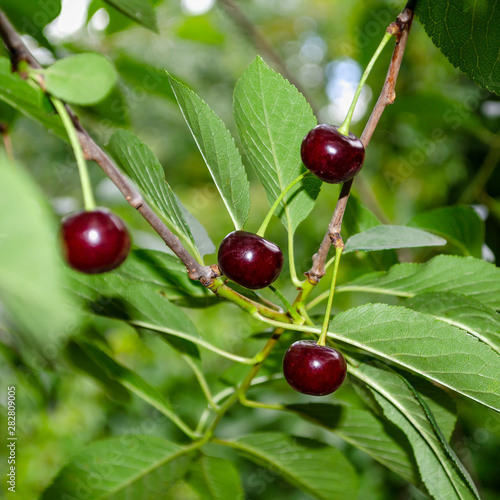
x=18, y=53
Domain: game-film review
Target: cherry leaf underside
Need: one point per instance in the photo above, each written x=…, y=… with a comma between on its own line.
x=129, y=466
x=424, y=345
x=218, y=150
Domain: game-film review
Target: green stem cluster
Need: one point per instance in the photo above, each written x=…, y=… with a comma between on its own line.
x=344, y=128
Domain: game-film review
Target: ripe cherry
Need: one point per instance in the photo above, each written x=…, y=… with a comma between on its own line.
x=332, y=156
x=249, y=260
x=314, y=369
x=94, y=241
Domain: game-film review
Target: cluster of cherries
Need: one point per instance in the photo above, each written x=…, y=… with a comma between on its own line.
x=97, y=241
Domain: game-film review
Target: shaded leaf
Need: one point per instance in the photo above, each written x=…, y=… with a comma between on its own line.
x=215, y=479
x=83, y=79
x=460, y=225
x=81, y=360
x=445, y=273
x=440, y=469
x=169, y=276
x=272, y=119
x=129, y=466
x=376, y=437
x=218, y=150
x=31, y=16
x=132, y=381
x=386, y=237
x=139, y=303
x=316, y=468
x=141, y=11
x=467, y=33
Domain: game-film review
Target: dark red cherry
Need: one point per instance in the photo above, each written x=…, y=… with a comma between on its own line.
x=94, y=242
x=313, y=369
x=332, y=156
x=249, y=260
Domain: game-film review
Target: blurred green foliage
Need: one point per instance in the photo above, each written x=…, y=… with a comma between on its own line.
x=437, y=145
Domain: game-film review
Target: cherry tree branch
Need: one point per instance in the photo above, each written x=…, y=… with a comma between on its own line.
x=19, y=52
x=401, y=29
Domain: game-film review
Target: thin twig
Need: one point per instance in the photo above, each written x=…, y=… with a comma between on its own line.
x=262, y=44
x=401, y=29
x=19, y=52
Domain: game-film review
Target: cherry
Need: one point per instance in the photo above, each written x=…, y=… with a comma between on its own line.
x=249, y=260
x=314, y=369
x=94, y=241
x=332, y=156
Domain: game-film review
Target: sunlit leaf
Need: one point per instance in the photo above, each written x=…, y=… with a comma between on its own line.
x=272, y=119
x=385, y=237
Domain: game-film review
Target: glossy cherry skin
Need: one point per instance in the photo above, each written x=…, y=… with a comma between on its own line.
x=313, y=369
x=332, y=156
x=94, y=242
x=249, y=260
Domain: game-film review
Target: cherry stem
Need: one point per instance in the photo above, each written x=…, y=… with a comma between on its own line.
x=401, y=28
x=326, y=322
x=293, y=313
x=88, y=195
x=344, y=128
x=265, y=222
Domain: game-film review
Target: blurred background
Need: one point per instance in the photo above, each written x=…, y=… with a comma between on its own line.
x=437, y=145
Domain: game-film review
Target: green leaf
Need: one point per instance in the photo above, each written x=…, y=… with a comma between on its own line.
x=440, y=401
x=31, y=16
x=83, y=79
x=141, y=304
x=385, y=237
x=467, y=32
x=141, y=11
x=129, y=466
x=142, y=166
x=440, y=469
x=31, y=278
x=357, y=218
x=218, y=150
x=201, y=29
x=272, y=119
x=424, y=345
x=465, y=312
x=460, y=225
x=28, y=99
x=168, y=275
x=133, y=382
x=316, y=468
x=201, y=238
x=144, y=77
x=445, y=273
x=215, y=479
x=82, y=361
x=362, y=429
